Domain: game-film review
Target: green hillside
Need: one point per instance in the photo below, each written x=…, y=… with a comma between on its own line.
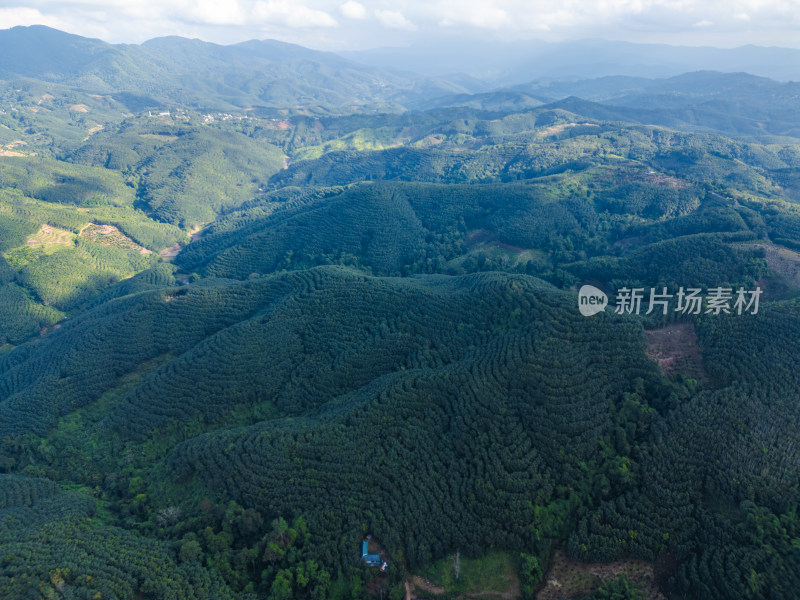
x=426, y=352
x=200, y=74
x=42, y=526
x=258, y=318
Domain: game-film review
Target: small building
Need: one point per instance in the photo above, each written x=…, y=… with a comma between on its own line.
x=372, y=560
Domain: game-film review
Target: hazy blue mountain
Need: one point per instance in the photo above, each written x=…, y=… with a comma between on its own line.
x=47, y=53
x=193, y=72
x=496, y=100
x=514, y=76
x=510, y=63
x=730, y=103
x=39, y=52
x=680, y=90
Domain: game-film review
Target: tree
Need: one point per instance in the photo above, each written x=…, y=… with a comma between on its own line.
x=530, y=574
x=620, y=588
x=191, y=551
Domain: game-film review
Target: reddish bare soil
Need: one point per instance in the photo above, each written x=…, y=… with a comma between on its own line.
x=668, y=181
x=675, y=350
x=171, y=252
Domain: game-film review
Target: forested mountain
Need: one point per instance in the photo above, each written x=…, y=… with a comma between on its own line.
x=736, y=104
x=174, y=70
x=237, y=345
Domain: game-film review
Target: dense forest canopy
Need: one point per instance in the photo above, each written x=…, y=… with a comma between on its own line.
x=236, y=345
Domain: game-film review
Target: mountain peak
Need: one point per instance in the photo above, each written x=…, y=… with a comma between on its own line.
x=41, y=51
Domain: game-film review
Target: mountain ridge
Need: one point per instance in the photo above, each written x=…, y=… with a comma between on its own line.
x=198, y=73
x=272, y=73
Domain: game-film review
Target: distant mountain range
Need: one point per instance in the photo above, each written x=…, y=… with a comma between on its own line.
x=511, y=63
x=626, y=82
x=730, y=103
x=180, y=70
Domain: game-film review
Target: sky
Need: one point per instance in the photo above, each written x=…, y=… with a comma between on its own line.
x=352, y=24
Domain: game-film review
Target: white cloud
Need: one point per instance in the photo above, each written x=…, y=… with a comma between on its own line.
x=596, y=19
x=291, y=14
x=358, y=23
x=217, y=12
x=353, y=10
x=122, y=11
x=21, y=15
x=393, y=19
x=475, y=13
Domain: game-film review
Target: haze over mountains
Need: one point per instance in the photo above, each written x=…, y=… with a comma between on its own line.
x=511, y=63
x=267, y=73
x=178, y=70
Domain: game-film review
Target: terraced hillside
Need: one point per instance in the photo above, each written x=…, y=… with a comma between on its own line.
x=239, y=344
x=422, y=372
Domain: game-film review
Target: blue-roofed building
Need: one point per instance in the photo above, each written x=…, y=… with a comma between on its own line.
x=372, y=560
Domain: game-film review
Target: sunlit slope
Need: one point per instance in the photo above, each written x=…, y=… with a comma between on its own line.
x=634, y=231
x=186, y=174
x=66, y=232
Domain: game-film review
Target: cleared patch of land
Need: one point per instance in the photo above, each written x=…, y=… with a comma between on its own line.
x=421, y=585
x=171, y=252
x=480, y=238
x=674, y=348
x=49, y=236
x=10, y=148
x=667, y=180
x=279, y=125
x=482, y=242
x=197, y=232
x=156, y=136
x=492, y=576
x=92, y=130
x=782, y=261
x=567, y=579
x=48, y=240
x=109, y=235
x=559, y=128
x=430, y=140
